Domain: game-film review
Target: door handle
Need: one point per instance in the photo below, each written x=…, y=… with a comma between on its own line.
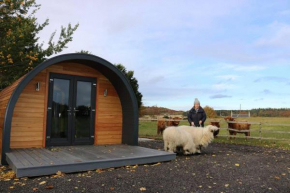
x=69, y=111
x=75, y=110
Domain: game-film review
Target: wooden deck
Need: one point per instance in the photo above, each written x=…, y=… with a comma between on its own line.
x=45, y=161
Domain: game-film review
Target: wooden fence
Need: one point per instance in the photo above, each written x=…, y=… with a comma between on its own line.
x=260, y=129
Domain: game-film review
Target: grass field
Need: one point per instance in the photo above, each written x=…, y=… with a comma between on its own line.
x=149, y=129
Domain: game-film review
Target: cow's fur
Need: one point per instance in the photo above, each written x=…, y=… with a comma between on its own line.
x=237, y=126
x=162, y=124
x=174, y=137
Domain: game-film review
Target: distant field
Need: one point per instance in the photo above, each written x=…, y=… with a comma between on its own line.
x=149, y=129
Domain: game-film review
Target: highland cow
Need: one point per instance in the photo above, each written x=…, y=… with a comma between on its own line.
x=162, y=124
x=217, y=124
x=237, y=126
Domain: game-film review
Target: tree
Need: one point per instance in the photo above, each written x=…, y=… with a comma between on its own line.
x=210, y=112
x=185, y=113
x=84, y=52
x=133, y=81
x=20, y=51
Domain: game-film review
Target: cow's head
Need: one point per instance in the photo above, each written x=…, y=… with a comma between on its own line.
x=176, y=121
x=215, y=124
x=229, y=118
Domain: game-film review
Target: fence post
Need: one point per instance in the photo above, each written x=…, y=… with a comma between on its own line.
x=260, y=131
x=228, y=130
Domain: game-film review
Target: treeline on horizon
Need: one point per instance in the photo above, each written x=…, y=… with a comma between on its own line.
x=259, y=112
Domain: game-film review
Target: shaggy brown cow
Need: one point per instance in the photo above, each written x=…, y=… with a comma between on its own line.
x=237, y=126
x=162, y=124
x=217, y=124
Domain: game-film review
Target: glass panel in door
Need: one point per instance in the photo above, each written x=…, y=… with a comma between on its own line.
x=60, y=109
x=83, y=109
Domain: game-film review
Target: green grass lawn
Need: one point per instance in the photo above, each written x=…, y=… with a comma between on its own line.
x=149, y=129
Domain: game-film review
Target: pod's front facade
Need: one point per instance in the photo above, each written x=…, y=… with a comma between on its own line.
x=71, y=99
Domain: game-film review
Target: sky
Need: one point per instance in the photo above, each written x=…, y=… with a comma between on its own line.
x=228, y=54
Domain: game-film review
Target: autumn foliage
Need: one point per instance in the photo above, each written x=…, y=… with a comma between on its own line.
x=20, y=50
x=210, y=112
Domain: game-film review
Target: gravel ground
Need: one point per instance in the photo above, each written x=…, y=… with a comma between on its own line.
x=220, y=168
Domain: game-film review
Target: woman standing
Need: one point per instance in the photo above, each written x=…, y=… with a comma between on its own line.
x=196, y=116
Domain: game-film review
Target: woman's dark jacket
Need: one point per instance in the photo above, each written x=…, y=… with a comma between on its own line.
x=195, y=117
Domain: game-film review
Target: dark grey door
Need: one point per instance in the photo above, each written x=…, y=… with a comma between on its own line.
x=71, y=110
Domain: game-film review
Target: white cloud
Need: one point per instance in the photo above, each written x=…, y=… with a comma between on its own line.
x=279, y=79
x=285, y=12
x=241, y=67
x=249, y=68
x=228, y=77
x=156, y=79
x=223, y=86
x=279, y=36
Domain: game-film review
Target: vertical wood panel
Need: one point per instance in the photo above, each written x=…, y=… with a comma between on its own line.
x=29, y=106
x=5, y=95
x=109, y=111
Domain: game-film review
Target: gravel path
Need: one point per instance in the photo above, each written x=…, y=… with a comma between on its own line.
x=220, y=168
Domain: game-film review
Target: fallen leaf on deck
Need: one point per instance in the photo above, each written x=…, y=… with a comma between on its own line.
x=34, y=189
x=276, y=177
x=19, y=183
x=7, y=176
x=2, y=168
x=99, y=171
x=156, y=164
x=227, y=185
x=58, y=174
x=43, y=182
x=237, y=165
x=11, y=187
x=49, y=187
x=112, y=188
x=142, y=189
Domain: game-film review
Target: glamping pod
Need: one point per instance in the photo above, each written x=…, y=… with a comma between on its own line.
x=68, y=100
